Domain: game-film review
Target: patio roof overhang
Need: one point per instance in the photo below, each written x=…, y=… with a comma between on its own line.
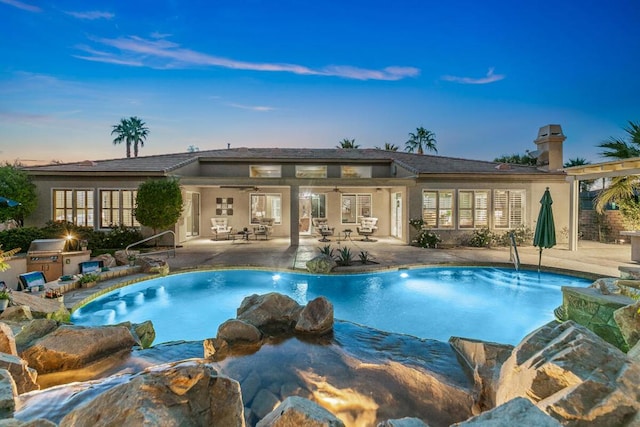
x=604, y=170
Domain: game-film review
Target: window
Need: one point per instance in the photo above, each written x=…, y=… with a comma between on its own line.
x=508, y=208
x=266, y=206
x=311, y=171
x=74, y=206
x=355, y=207
x=355, y=171
x=116, y=208
x=437, y=209
x=473, y=209
x=265, y=171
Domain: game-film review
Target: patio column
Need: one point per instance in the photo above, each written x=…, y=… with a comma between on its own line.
x=574, y=208
x=294, y=215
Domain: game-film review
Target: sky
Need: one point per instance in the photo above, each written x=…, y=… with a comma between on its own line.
x=483, y=76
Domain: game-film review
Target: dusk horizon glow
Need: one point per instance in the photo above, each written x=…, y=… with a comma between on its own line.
x=483, y=77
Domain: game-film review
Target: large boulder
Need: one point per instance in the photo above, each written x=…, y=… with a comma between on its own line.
x=403, y=422
x=628, y=320
x=23, y=376
x=144, y=333
x=187, y=393
x=316, y=317
x=297, y=411
x=7, y=340
x=16, y=313
x=322, y=264
x=107, y=260
x=517, y=412
x=484, y=360
x=71, y=347
x=238, y=331
x=34, y=330
x=8, y=394
x=271, y=313
x=573, y=375
x=42, y=308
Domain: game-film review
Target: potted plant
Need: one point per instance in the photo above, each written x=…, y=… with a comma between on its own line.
x=54, y=294
x=5, y=298
x=88, y=280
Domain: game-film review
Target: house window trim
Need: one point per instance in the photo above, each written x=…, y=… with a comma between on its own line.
x=74, y=208
x=523, y=212
x=258, y=166
x=312, y=168
x=453, y=208
x=120, y=208
x=474, y=208
x=369, y=169
x=251, y=221
x=358, y=208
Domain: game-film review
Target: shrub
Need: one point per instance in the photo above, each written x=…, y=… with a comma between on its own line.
x=120, y=237
x=523, y=236
x=482, y=238
x=427, y=239
x=344, y=256
x=365, y=257
x=20, y=237
x=326, y=250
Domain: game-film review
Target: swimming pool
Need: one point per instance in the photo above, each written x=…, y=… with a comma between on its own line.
x=485, y=303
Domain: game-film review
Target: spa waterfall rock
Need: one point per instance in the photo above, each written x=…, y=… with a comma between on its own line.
x=186, y=393
x=628, y=320
x=71, y=347
x=316, y=317
x=7, y=340
x=272, y=312
x=238, y=331
x=23, y=376
x=574, y=376
x=517, y=412
x=32, y=331
x=297, y=411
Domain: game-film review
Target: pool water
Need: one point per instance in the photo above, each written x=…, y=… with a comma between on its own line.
x=491, y=304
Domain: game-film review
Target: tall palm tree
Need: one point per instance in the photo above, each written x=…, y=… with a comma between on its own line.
x=347, y=143
x=420, y=140
x=130, y=131
x=388, y=147
x=622, y=188
x=579, y=161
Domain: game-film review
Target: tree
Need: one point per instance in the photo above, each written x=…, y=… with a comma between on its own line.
x=158, y=204
x=348, y=143
x=420, y=140
x=15, y=184
x=517, y=159
x=388, y=147
x=130, y=131
x=623, y=189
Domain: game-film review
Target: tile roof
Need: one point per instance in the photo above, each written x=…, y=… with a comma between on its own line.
x=166, y=163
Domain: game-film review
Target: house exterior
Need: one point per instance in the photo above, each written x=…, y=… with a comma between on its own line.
x=294, y=186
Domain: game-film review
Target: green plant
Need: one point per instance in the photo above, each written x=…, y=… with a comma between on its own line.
x=20, y=237
x=416, y=223
x=426, y=239
x=4, y=266
x=344, y=256
x=365, y=257
x=5, y=293
x=88, y=278
x=482, y=238
x=16, y=185
x=326, y=250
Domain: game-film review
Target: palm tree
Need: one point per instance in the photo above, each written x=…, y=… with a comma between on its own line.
x=623, y=188
x=388, y=147
x=348, y=143
x=518, y=159
x=579, y=161
x=130, y=131
x=420, y=140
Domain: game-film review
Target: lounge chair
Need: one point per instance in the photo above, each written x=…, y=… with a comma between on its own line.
x=366, y=228
x=219, y=228
x=264, y=229
x=28, y=280
x=321, y=225
x=90, y=266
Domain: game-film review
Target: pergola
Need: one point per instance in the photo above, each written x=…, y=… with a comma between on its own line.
x=576, y=174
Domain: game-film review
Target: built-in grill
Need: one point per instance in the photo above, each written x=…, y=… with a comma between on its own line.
x=46, y=255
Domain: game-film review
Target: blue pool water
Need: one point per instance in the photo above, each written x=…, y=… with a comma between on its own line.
x=490, y=304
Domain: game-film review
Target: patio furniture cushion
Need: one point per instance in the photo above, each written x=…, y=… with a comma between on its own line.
x=90, y=266
x=34, y=278
x=220, y=228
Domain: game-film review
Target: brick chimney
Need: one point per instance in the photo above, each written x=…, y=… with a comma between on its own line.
x=549, y=143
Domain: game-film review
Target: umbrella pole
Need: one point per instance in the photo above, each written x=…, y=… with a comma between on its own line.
x=539, y=260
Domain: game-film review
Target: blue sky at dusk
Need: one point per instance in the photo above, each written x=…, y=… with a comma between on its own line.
x=484, y=76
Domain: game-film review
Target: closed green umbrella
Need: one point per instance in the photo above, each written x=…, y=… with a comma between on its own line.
x=545, y=235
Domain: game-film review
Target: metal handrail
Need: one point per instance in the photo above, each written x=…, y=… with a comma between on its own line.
x=155, y=236
x=513, y=251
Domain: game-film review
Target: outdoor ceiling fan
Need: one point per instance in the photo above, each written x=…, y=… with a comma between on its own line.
x=242, y=187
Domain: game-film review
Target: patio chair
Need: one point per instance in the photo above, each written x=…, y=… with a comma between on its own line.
x=264, y=229
x=90, y=266
x=322, y=227
x=219, y=228
x=366, y=228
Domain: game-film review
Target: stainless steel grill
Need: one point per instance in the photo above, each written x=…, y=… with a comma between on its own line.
x=46, y=255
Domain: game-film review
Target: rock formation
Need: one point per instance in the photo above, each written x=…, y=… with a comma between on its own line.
x=322, y=264
x=297, y=411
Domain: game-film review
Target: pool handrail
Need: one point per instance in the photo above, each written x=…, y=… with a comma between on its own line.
x=155, y=236
x=513, y=251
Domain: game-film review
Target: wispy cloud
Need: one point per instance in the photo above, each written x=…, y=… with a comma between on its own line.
x=91, y=15
x=258, y=108
x=21, y=5
x=489, y=78
x=164, y=54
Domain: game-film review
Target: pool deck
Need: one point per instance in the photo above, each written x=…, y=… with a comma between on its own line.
x=592, y=258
